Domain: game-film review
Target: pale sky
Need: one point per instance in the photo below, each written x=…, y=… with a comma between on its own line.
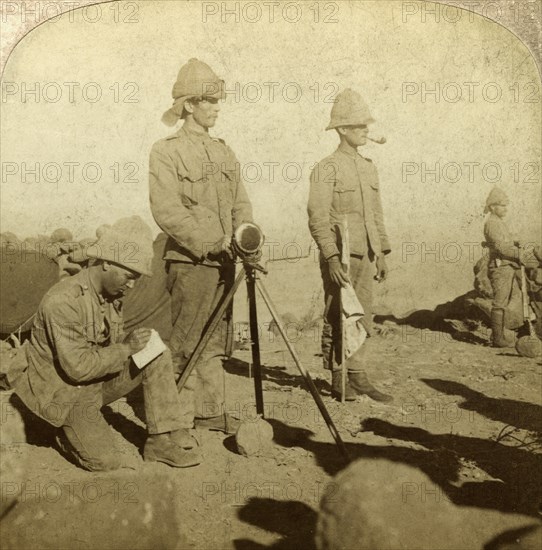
x=484, y=128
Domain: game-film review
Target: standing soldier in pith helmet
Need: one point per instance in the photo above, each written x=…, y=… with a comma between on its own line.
x=198, y=199
x=344, y=188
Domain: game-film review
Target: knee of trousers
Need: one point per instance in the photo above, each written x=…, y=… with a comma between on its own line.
x=89, y=457
x=162, y=364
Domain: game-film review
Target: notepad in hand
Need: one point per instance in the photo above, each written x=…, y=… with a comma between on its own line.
x=151, y=351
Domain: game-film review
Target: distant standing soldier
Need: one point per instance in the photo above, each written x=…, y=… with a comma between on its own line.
x=198, y=199
x=344, y=186
x=505, y=257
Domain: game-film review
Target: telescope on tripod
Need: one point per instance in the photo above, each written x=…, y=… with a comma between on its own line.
x=247, y=243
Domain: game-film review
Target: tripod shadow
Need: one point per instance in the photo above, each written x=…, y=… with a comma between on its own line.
x=295, y=521
x=527, y=416
x=517, y=487
x=277, y=375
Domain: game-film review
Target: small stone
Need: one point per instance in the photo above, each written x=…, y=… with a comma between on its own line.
x=254, y=438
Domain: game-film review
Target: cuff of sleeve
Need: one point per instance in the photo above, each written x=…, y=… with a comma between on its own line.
x=329, y=251
x=196, y=246
x=385, y=245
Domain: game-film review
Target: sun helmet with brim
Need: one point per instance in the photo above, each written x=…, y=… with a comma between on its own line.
x=496, y=196
x=196, y=80
x=128, y=243
x=349, y=109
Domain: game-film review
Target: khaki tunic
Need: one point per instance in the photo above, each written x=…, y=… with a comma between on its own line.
x=75, y=342
x=500, y=242
x=196, y=193
x=197, y=198
x=345, y=186
x=503, y=260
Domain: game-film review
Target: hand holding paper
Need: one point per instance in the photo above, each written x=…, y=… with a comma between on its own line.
x=155, y=347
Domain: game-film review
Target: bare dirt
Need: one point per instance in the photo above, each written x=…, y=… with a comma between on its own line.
x=467, y=415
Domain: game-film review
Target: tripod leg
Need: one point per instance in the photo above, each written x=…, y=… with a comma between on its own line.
x=343, y=352
x=215, y=319
x=255, y=339
x=304, y=373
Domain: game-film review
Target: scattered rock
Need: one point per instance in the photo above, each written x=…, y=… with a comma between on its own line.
x=254, y=438
x=529, y=346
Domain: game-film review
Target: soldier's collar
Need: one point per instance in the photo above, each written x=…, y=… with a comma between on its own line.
x=88, y=286
x=95, y=292
x=348, y=153
x=195, y=135
x=352, y=155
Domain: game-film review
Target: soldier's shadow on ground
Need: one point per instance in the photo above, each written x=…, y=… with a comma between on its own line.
x=509, y=539
x=295, y=521
x=520, y=414
x=275, y=374
x=516, y=486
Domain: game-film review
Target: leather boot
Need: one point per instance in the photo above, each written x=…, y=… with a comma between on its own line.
x=224, y=423
x=182, y=438
x=160, y=448
x=360, y=383
x=336, y=387
x=497, y=330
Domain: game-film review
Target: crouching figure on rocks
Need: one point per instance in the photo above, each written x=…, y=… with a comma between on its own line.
x=79, y=359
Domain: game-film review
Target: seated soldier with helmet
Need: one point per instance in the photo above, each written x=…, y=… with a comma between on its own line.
x=79, y=359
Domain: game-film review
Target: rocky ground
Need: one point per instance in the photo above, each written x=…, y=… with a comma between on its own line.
x=466, y=415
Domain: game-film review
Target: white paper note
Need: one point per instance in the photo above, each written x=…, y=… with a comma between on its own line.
x=155, y=347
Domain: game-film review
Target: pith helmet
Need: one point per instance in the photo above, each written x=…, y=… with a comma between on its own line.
x=496, y=196
x=195, y=80
x=128, y=242
x=349, y=110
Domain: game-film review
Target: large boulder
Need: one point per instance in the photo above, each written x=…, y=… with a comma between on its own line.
x=136, y=511
x=376, y=504
x=12, y=453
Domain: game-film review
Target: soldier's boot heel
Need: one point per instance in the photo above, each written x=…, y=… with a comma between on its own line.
x=336, y=387
x=361, y=385
x=498, y=337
